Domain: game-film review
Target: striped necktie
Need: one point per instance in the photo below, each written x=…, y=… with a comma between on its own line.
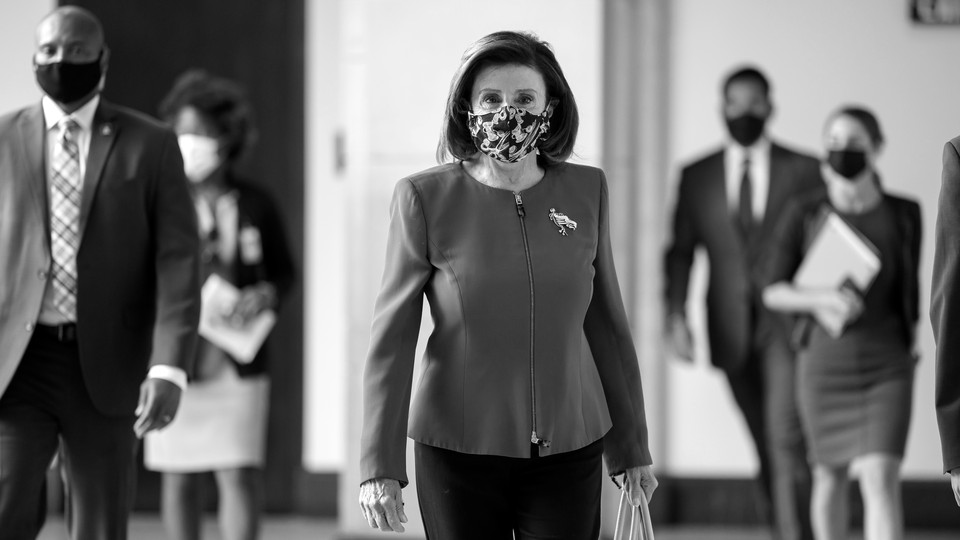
x=65, y=218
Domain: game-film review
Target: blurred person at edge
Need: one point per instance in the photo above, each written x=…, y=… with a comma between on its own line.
x=728, y=202
x=854, y=391
x=944, y=304
x=530, y=374
x=223, y=419
x=99, y=288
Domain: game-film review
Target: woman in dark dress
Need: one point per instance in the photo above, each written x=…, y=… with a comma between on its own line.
x=855, y=390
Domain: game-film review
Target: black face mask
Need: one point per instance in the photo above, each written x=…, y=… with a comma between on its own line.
x=746, y=129
x=67, y=83
x=847, y=163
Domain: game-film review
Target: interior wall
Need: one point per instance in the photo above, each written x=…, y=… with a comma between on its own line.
x=18, y=19
x=819, y=54
x=326, y=243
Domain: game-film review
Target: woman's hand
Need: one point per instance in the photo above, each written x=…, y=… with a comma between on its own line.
x=640, y=480
x=835, y=309
x=253, y=300
x=381, y=500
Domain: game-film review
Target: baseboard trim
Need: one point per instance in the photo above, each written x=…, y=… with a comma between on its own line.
x=316, y=494
x=928, y=504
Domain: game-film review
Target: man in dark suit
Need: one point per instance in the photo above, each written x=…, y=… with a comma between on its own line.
x=945, y=313
x=98, y=280
x=728, y=203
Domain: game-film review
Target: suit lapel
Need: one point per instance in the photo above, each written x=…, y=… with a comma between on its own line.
x=718, y=204
x=776, y=192
x=32, y=145
x=102, y=136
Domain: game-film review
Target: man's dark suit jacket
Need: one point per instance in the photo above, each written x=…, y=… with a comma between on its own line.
x=945, y=306
x=703, y=218
x=137, y=263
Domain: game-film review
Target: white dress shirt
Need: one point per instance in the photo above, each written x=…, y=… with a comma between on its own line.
x=52, y=116
x=733, y=159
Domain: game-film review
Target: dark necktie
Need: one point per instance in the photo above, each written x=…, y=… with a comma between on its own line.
x=745, y=209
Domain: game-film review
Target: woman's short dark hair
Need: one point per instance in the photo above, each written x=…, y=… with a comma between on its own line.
x=220, y=101
x=865, y=117
x=504, y=48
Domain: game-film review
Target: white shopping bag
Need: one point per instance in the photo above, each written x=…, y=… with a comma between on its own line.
x=633, y=523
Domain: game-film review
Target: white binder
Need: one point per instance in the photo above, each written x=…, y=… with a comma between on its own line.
x=839, y=256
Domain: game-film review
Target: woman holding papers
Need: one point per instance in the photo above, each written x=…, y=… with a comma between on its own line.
x=221, y=424
x=856, y=336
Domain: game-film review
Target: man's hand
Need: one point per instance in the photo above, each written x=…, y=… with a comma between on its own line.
x=955, y=484
x=679, y=338
x=158, y=404
x=381, y=500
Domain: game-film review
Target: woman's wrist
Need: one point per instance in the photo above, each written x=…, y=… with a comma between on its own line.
x=269, y=293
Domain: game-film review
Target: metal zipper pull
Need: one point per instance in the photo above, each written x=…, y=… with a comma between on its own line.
x=520, y=211
x=538, y=441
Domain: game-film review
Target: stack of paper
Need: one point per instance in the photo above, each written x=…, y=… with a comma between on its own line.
x=218, y=297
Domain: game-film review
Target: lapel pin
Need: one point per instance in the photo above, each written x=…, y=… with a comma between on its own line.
x=561, y=220
x=106, y=129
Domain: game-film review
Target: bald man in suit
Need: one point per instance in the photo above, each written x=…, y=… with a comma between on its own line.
x=945, y=313
x=99, y=287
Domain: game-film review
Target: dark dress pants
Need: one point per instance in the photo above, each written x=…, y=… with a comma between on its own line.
x=764, y=390
x=47, y=407
x=791, y=483
x=482, y=497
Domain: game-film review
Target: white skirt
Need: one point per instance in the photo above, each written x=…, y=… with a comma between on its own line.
x=221, y=424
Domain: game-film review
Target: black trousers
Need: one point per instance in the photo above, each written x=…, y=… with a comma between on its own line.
x=765, y=391
x=47, y=407
x=481, y=497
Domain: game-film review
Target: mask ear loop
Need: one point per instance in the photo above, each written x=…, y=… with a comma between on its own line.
x=547, y=114
x=551, y=107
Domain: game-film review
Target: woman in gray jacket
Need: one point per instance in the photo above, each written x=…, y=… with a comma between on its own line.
x=530, y=374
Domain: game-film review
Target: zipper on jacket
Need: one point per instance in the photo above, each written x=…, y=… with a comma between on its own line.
x=534, y=438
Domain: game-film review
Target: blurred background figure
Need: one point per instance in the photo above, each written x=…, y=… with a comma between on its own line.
x=728, y=202
x=513, y=411
x=222, y=423
x=855, y=391
x=944, y=304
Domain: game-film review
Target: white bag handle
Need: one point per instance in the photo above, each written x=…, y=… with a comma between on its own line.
x=640, y=527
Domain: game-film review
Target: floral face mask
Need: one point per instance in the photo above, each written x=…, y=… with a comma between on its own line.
x=509, y=134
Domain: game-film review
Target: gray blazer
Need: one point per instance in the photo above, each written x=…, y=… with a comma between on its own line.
x=530, y=340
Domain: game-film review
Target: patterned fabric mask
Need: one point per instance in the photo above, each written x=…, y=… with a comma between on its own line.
x=509, y=134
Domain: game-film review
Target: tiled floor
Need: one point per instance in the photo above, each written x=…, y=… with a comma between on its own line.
x=148, y=527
